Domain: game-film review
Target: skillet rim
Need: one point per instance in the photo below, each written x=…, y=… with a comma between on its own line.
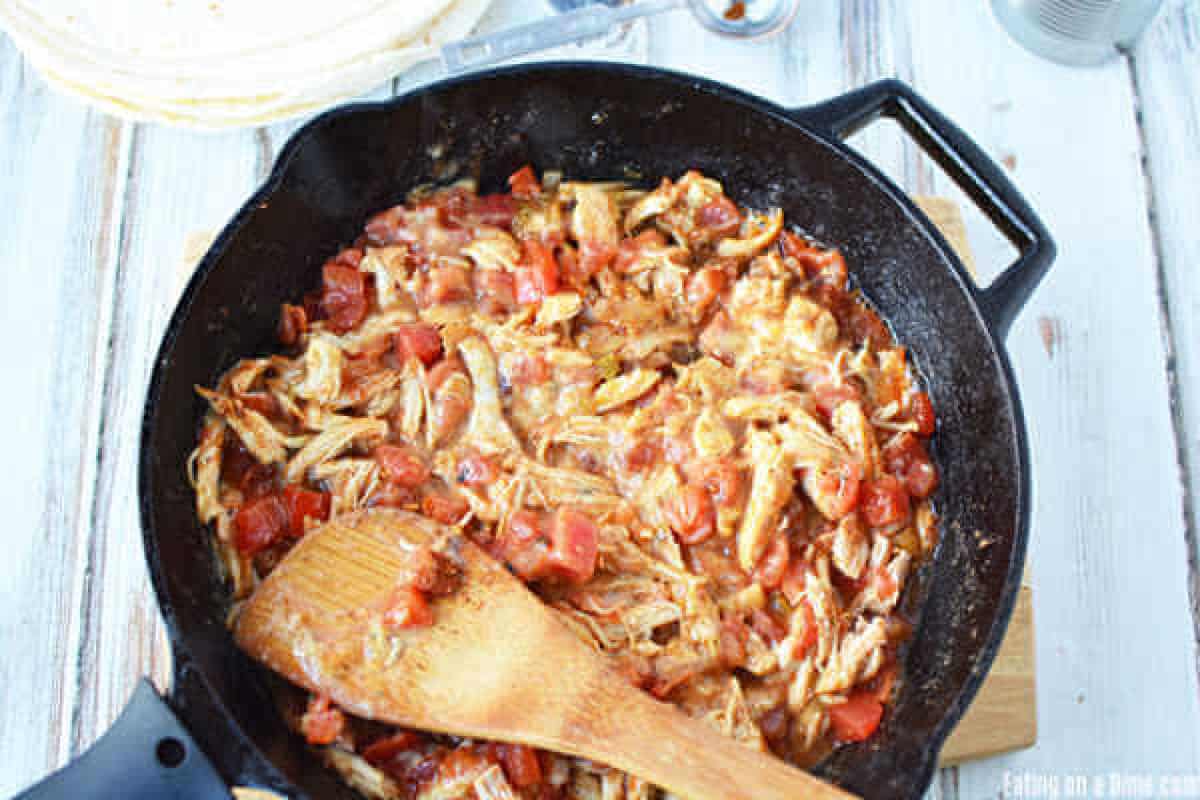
x=808, y=120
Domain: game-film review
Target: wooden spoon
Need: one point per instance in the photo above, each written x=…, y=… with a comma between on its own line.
x=496, y=664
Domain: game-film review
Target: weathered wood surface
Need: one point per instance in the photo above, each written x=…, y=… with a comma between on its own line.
x=96, y=211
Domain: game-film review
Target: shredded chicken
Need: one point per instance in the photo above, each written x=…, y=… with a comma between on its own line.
x=666, y=414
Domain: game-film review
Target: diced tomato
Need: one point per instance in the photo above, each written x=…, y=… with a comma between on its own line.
x=322, y=722
x=640, y=455
x=408, y=607
x=733, y=638
x=922, y=414
x=766, y=626
x=349, y=256
x=293, y=324
x=906, y=458
x=524, y=183
x=528, y=370
x=721, y=478
x=805, y=640
x=537, y=277
x=387, y=227
x=574, y=545
x=384, y=750
x=884, y=502
x=432, y=573
x=260, y=523
x=444, y=507
x=814, y=262
x=691, y=515
x=828, y=396
x=495, y=209
x=343, y=296
x=841, y=488
x=521, y=765
x=886, y=587
x=418, y=340
x=495, y=290
x=629, y=251
x=774, y=563
x=477, y=470
x=448, y=283
x=720, y=215
x=401, y=465
x=921, y=479
x=524, y=546
x=304, y=504
x=241, y=469
x=594, y=257
x=704, y=287
x=857, y=718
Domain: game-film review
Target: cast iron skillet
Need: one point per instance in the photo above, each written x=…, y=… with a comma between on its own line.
x=594, y=121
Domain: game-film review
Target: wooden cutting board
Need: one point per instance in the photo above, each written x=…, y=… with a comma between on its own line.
x=1003, y=716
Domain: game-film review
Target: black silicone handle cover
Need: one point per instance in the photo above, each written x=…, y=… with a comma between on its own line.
x=145, y=755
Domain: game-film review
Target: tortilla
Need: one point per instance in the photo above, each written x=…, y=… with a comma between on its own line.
x=224, y=63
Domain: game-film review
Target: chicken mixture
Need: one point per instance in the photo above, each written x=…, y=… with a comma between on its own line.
x=668, y=415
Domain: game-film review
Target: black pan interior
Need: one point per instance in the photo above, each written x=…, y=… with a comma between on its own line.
x=597, y=122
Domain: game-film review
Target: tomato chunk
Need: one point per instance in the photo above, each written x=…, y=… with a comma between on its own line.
x=322, y=722
x=400, y=465
x=383, y=750
x=922, y=414
x=344, y=296
x=495, y=209
x=574, y=545
x=840, y=488
x=448, y=284
x=524, y=183
x=260, y=523
x=884, y=502
x=704, y=287
x=828, y=396
x=477, y=470
x=444, y=507
x=408, y=607
x=521, y=765
x=538, y=276
x=420, y=340
x=595, y=256
x=906, y=458
x=293, y=324
x=857, y=718
x=304, y=504
x=495, y=290
x=720, y=216
x=691, y=515
x=722, y=479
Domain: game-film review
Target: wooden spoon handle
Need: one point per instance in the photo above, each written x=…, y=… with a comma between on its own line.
x=661, y=744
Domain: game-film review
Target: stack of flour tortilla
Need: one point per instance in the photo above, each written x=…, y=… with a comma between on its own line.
x=226, y=63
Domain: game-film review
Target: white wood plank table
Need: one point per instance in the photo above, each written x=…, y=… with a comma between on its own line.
x=93, y=216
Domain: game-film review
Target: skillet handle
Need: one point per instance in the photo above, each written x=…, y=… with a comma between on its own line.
x=146, y=755
x=969, y=167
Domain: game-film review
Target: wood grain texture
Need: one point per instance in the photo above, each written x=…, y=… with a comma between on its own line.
x=1108, y=537
x=95, y=212
x=61, y=175
x=1166, y=70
